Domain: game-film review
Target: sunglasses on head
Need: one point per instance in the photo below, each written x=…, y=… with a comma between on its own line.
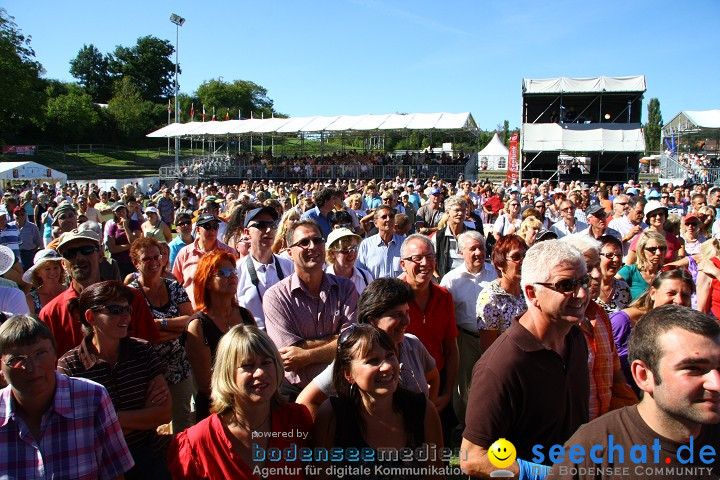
x=71, y=253
x=226, y=272
x=264, y=224
x=568, y=285
x=115, y=309
x=305, y=242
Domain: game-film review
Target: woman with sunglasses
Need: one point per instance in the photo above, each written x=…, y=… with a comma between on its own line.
x=614, y=294
x=651, y=249
x=215, y=285
x=509, y=221
x=47, y=277
x=371, y=411
x=502, y=300
x=120, y=236
x=171, y=309
x=128, y=368
x=248, y=415
x=656, y=214
x=341, y=255
x=672, y=286
x=386, y=305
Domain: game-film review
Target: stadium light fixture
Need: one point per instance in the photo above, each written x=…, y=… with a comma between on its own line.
x=178, y=21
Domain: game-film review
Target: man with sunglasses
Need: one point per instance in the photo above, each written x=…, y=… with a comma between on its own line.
x=183, y=227
x=206, y=241
x=539, y=366
x=304, y=312
x=260, y=269
x=380, y=253
x=81, y=259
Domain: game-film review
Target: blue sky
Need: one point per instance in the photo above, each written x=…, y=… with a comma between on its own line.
x=373, y=56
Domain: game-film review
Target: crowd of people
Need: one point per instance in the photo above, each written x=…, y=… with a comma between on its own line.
x=209, y=331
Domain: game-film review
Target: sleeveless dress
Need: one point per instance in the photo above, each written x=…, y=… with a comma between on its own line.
x=155, y=232
x=383, y=467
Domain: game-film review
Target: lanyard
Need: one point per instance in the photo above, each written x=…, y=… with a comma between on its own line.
x=254, y=277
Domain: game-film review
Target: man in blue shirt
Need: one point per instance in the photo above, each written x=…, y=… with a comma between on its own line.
x=325, y=201
x=380, y=253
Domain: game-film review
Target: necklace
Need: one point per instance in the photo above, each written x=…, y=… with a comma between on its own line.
x=247, y=426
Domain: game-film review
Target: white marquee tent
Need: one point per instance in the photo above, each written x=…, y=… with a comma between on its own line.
x=10, y=171
x=590, y=137
x=494, y=156
x=318, y=124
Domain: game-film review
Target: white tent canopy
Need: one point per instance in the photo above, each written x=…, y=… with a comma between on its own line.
x=29, y=171
x=591, y=137
x=494, y=156
x=694, y=119
x=338, y=123
x=584, y=85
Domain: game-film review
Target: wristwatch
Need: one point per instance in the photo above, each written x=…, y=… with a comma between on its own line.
x=163, y=324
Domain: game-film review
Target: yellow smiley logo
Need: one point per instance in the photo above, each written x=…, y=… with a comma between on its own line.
x=502, y=453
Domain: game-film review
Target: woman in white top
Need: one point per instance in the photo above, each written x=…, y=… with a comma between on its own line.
x=509, y=221
x=341, y=254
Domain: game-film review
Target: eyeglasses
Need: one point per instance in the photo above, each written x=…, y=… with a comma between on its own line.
x=71, y=253
x=227, y=272
x=386, y=216
x=156, y=258
x=346, y=334
x=516, y=257
x=210, y=226
x=610, y=255
x=21, y=361
x=692, y=224
x=183, y=224
x=114, y=309
x=305, y=242
x=347, y=251
x=419, y=258
x=568, y=285
x=655, y=249
x=264, y=225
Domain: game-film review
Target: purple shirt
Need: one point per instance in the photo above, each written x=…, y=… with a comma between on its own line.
x=293, y=314
x=81, y=435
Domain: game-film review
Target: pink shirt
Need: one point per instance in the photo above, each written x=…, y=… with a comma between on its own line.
x=187, y=260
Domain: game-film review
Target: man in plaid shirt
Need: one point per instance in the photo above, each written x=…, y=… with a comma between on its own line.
x=53, y=426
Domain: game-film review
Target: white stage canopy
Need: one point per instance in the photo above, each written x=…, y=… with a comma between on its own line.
x=584, y=85
x=694, y=119
x=338, y=123
x=30, y=171
x=583, y=137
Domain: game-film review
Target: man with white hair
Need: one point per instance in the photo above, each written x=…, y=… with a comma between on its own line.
x=538, y=366
x=607, y=382
x=465, y=284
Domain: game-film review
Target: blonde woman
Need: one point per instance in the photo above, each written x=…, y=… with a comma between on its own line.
x=280, y=244
x=509, y=220
x=529, y=229
x=651, y=249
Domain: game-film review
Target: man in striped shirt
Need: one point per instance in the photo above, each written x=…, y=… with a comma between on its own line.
x=52, y=426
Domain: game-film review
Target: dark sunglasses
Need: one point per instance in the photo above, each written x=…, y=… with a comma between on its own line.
x=305, y=242
x=264, y=225
x=347, y=333
x=692, y=224
x=387, y=215
x=655, y=249
x=184, y=224
x=115, y=309
x=517, y=257
x=348, y=251
x=210, y=226
x=610, y=255
x=71, y=253
x=568, y=285
x=227, y=272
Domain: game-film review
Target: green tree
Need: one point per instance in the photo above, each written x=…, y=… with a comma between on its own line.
x=90, y=67
x=21, y=89
x=241, y=95
x=653, y=127
x=133, y=116
x=505, y=137
x=70, y=116
x=149, y=65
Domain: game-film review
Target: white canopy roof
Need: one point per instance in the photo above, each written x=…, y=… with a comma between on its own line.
x=28, y=171
x=337, y=123
x=583, y=85
x=494, y=148
x=691, y=119
x=583, y=137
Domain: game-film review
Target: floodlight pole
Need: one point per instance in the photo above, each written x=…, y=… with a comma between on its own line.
x=178, y=21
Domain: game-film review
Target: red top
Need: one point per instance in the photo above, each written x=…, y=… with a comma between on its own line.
x=67, y=327
x=205, y=451
x=436, y=324
x=673, y=244
x=715, y=292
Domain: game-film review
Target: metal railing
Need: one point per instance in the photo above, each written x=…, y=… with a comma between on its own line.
x=216, y=168
x=671, y=168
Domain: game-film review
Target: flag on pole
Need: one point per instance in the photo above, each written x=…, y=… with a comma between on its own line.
x=213, y=117
x=203, y=112
x=192, y=112
x=227, y=115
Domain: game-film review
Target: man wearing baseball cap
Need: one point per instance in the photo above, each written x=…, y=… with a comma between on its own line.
x=81, y=259
x=260, y=269
x=597, y=223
